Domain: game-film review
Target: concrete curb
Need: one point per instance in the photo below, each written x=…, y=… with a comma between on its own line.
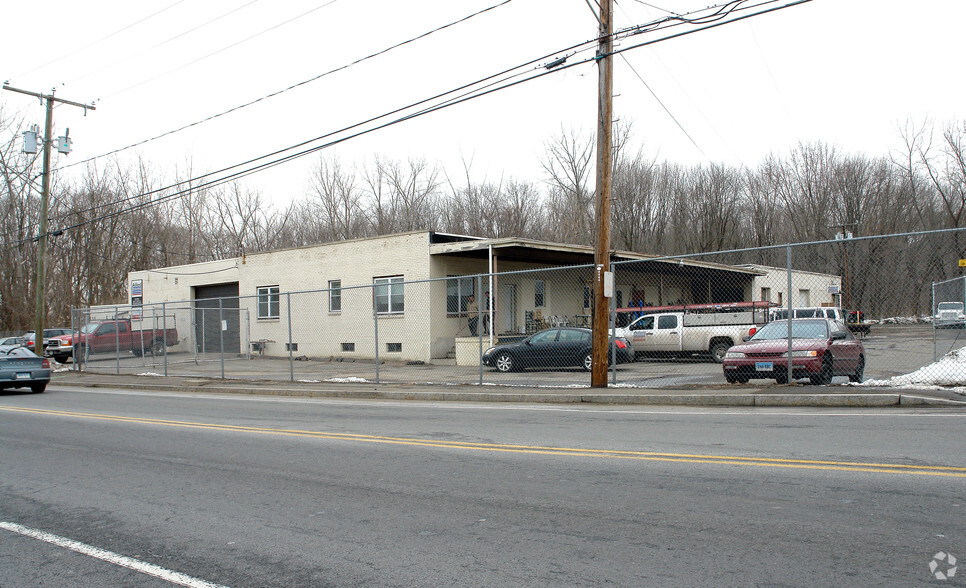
x=430, y=394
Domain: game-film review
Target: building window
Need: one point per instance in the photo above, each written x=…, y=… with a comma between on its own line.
x=268, y=302
x=804, y=298
x=389, y=295
x=394, y=347
x=539, y=291
x=348, y=347
x=335, y=295
x=458, y=292
x=766, y=294
x=586, y=296
x=619, y=299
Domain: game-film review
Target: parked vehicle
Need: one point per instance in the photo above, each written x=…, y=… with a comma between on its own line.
x=49, y=334
x=853, y=319
x=112, y=335
x=22, y=368
x=12, y=341
x=683, y=333
x=821, y=348
x=556, y=347
x=950, y=315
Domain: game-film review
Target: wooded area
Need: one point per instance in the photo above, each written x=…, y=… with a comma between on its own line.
x=117, y=217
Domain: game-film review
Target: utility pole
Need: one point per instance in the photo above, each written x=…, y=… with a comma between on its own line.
x=40, y=310
x=605, y=65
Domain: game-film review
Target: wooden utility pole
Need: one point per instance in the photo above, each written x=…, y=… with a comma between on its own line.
x=605, y=65
x=40, y=309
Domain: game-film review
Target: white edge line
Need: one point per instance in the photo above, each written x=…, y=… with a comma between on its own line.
x=110, y=557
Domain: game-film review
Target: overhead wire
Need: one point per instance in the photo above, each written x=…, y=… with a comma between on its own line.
x=162, y=43
x=222, y=50
x=89, y=45
x=235, y=175
x=289, y=88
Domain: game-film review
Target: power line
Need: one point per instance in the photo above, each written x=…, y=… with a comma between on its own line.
x=292, y=87
x=165, y=42
x=89, y=45
x=451, y=102
x=223, y=49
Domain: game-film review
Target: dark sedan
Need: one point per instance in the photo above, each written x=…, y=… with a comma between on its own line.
x=22, y=368
x=557, y=347
x=821, y=349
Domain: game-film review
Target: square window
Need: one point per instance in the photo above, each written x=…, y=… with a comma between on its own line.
x=268, y=302
x=458, y=292
x=389, y=295
x=394, y=347
x=348, y=347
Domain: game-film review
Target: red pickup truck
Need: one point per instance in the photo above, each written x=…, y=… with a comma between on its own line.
x=110, y=336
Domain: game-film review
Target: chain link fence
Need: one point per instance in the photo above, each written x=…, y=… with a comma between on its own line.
x=675, y=321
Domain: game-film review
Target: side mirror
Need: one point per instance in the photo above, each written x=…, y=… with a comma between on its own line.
x=837, y=335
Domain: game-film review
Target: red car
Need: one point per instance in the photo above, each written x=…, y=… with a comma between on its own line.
x=821, y=349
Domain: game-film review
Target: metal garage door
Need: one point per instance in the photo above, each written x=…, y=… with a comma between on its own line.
x=208, y=319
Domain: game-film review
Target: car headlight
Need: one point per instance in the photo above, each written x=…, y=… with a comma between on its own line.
x=734, y=355
x=488, y=351
x=801, y=353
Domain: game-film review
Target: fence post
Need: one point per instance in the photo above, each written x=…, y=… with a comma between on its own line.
x=221, y=334
x=791, y=310
x=291, y=361
x=117, y=343
x=479, y=329
x=612, y=314
x=933, y=312
x=164, y=336
x=375, y=327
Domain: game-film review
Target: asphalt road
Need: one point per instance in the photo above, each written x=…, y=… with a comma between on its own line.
x=259, y=491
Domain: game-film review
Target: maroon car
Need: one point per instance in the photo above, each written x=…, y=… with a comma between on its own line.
x=821, y=349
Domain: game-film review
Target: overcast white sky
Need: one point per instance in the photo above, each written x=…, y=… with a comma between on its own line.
x=846, y=72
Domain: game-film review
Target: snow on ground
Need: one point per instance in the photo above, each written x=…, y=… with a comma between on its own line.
x=949, y=373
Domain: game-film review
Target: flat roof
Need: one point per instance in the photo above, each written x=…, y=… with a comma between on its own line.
x=545, y=252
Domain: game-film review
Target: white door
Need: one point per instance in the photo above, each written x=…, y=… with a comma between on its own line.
x=507, y=316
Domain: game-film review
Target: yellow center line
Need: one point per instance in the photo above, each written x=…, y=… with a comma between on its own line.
x=892, y=468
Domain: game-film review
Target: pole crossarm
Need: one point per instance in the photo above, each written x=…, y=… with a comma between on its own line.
x=50, y=97
x=40, y=282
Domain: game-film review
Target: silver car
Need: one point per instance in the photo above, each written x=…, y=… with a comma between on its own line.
x=22, y=368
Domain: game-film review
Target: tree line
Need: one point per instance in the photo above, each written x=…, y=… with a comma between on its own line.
x=115, y=217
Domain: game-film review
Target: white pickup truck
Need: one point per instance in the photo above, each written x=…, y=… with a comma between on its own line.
x=683, y=333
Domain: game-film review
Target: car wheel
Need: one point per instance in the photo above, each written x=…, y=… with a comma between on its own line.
x=781, y=377
x=157, y=347
x=38, y=387
x=824, y=377
x=137, y=352
x=719, y=350
x=859, y=370
x=60, y=358
x=504, y=362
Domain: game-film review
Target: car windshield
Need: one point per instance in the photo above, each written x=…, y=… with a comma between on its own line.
x=89, y=328
x=951, y=306
x=800, y=330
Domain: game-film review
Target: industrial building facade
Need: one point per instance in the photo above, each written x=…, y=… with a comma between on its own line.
x=404, y=296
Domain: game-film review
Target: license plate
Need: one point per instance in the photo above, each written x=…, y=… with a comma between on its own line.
x=763, y=366
x=23, y=375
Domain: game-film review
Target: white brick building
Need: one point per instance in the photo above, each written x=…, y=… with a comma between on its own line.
x=407, y=291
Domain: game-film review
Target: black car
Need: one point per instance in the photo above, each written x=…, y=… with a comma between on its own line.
x=22, y=368
x=557, y=347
